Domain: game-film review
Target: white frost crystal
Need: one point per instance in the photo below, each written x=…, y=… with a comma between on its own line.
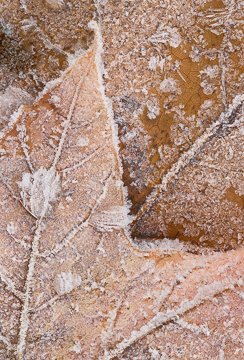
x=109, y=219
x=55, y=3
x=83, y=141
x=11, y=229
x=167, y=35
x=64, y=283
x=169, y=85
x=40, y=189
x=153, y=109
x=11, y=100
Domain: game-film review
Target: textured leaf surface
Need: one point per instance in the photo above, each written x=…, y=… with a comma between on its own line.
x=172, y=73
x=73, y=284
x=67, y=268
x=37, y=41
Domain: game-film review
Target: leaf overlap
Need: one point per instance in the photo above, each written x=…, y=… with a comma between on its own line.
x=73, y=284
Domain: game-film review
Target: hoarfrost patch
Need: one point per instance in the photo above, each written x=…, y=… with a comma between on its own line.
x=153, y=108
x=83, y=141
x=156, y=61
x=165, y=245
x=169, y=85
x=167, y=35
x=40, y=189
x=114, y=217
x=76, y=348
x=11, y=229
x=211, y=71
x=55, y=3
x=11, y=100
x=64, y=283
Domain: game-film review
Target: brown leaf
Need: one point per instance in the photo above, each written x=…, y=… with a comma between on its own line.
x=178, y=72
x=66, y=264
x=73, y=285
x=37, y=40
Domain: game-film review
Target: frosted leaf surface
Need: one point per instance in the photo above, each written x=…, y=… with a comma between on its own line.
x=55, y=3
x=179, y=69
x=69, y=276
x=72, y=284
x=37, y=41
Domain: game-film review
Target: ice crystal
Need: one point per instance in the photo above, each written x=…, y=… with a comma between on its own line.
x=39, y=190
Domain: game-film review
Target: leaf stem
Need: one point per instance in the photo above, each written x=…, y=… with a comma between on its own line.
x=24, y=320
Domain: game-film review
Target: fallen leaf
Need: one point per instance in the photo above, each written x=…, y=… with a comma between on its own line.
x=178, y=71
x=73, y=283
x=66, y=263
x=38, y=39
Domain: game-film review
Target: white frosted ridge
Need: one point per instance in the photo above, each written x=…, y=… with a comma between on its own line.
x=108, y=105
x=206, y=292
x=188, y=155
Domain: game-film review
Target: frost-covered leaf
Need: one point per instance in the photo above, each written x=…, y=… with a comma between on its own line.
x=73, y=283
x=69, y=275
x=200, y=318
x=61, y=195
x=37, y=41
x=173, y=73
